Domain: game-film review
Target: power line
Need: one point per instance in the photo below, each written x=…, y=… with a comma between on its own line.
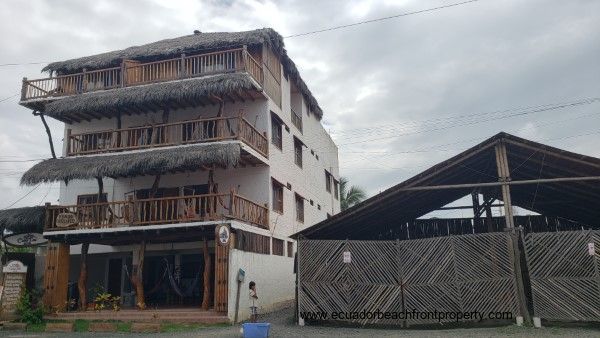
x=22, y=197
x=474, y=122
x=381, y=19
x=10, y=97
x=301, y=34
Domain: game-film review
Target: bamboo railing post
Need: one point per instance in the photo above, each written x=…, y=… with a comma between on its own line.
x=84, y=81
x=244, y=65
x=182, y=70
x=232, y=202
x=123, y=73
x=69, y=142
x=24, y=89
x=48, y=219
x=131, y=206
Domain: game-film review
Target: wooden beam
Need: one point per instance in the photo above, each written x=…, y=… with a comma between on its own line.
x=496, y=184
x=41, y=115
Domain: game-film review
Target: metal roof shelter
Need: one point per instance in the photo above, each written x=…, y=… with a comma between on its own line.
x=519, y=172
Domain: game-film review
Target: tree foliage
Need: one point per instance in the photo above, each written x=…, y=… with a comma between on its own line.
x=350, y=195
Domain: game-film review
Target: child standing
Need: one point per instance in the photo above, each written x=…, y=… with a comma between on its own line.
x=253, y=302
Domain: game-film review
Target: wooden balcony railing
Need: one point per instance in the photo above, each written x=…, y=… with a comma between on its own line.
x=167, y=210
x=132, y=73
x=297, y=120
x=168, y=134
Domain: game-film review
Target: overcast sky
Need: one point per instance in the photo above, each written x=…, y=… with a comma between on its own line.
x=398, y=95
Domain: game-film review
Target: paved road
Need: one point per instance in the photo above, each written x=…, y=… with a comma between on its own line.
x=282, y=326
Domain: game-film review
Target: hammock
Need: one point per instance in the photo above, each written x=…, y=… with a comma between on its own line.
x=181, y=293
x=168, y=271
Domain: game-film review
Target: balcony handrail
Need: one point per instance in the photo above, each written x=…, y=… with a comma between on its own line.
x=167, y=134
x=76, y=83
x=162, y=210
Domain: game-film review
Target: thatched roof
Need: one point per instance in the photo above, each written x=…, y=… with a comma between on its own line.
x=155, y=94
x=192, y=44
x=22, y=220
x=148, y=162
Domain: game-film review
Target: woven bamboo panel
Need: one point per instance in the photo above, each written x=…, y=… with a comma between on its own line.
x=485, y=272
x=457, y=273
x=564, y=276
x=428, y=274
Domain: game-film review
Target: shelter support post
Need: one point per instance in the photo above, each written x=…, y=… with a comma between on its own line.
x=504, y=176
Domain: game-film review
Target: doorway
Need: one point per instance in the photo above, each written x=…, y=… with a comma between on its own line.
x=115, y=276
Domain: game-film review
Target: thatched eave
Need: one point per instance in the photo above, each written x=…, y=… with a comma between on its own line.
x=138, y=163
x=155, y=94
x=192, y=44
x=22, y=220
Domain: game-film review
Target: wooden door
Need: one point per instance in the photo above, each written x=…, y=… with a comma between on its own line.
x=221, y=276
x=56, y=276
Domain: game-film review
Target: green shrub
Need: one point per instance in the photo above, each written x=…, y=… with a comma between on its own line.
x=26, y=309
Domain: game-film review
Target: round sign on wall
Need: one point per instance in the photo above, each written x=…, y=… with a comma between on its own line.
x=28, y=239
x=223, y=234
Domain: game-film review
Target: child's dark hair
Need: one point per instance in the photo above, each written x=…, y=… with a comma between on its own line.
x=251, y=284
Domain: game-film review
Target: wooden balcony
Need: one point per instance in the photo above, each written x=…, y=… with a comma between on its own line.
x=133, y=73
x=168, y=134
x=166, y=210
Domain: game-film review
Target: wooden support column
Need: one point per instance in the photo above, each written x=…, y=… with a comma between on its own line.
x=487, y=204
x=35, y=113
x=56, y=276
x=504, y=176
x=476, y=208
x=137, y=275
x=82, y=281
x=206, y=298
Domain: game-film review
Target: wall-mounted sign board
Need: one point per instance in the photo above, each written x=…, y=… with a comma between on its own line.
x=28, y=239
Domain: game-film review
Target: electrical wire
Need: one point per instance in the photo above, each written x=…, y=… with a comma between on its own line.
x=302, y=34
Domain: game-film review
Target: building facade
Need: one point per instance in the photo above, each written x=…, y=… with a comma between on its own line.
x=184, y=161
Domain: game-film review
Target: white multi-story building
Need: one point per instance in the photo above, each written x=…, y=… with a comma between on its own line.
x=171, y=146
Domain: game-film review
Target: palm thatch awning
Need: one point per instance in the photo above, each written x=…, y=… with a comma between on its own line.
x=149, y=162
x=192, y=44
x=154, y=95
x=22, y=220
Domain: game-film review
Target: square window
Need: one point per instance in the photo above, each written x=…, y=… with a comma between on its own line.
x=299, y=208
x=277, y=196
x=298, y=151
x=328, y=179
x=276, y=131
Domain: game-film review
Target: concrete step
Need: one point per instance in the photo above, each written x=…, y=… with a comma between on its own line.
x=162, y=315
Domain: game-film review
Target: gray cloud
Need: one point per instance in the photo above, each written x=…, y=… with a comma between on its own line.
x=388, y=76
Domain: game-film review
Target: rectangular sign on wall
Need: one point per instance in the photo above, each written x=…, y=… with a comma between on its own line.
x=347, y=257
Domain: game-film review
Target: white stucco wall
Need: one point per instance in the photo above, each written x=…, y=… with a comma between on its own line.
x=272, y=274
x=308, y=181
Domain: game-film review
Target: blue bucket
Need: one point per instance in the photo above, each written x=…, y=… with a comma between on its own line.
x=256, y=330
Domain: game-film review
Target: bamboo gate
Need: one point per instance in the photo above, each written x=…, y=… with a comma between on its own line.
x=445, y=274
x=564, y=274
